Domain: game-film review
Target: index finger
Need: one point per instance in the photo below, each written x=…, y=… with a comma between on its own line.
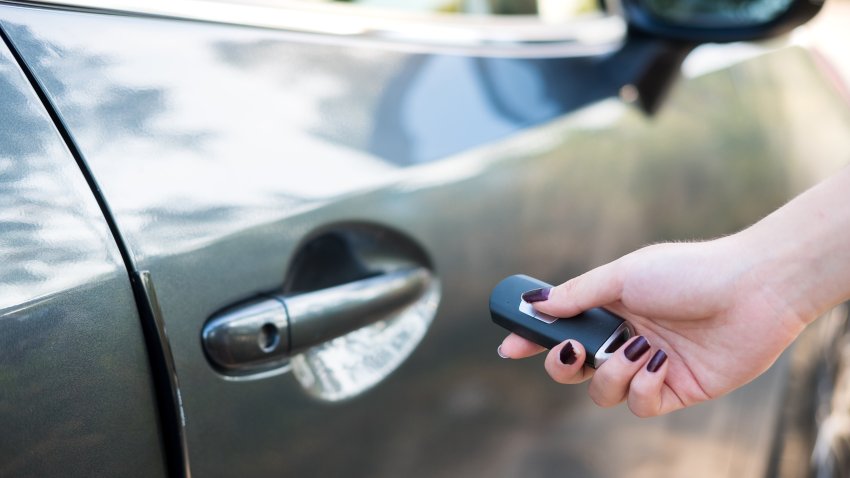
x=595, y=288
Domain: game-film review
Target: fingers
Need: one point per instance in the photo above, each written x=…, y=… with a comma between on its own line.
x=633, y=373
x=613, y=379
x=648, y=395
x=565, y=363
x=594, y=288
x=516, y=347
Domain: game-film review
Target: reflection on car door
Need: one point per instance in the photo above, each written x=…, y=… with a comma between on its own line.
x=76, y=396
x=225, y=152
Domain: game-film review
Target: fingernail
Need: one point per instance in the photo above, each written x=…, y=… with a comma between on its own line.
x=499, y=351
x=536, y=295
x=637, y=348
x=656, y=361
x=568, y=354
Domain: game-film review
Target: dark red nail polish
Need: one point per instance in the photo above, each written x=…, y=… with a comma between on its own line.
x=656, y=361
x=536, y=295
x=637, y=348
x=568, y=354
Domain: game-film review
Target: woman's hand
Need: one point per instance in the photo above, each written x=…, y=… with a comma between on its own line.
x=718, y=322
x=711, y=315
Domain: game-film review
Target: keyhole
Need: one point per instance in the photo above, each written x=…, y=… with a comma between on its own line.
x=269, y=337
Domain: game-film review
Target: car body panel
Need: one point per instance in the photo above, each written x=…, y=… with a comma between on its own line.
x=220, y=149
x=75, y=388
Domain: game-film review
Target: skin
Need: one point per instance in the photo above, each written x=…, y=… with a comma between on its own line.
x=723, y=310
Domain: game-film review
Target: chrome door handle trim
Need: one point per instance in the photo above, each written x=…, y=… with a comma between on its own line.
x=319, y=316
x=252, y=337
x=262, y=334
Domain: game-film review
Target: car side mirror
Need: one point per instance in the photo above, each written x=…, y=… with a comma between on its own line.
x=661, y=33
x=717, y=21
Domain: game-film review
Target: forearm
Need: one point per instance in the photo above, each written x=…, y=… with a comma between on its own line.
x=801, y=252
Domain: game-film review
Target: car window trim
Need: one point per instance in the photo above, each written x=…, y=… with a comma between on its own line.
x=484, y=35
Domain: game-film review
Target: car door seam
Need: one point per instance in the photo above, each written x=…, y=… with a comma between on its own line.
x=172, y=423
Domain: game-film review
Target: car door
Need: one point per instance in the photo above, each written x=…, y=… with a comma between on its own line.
x=76, y=391
x=260, y=172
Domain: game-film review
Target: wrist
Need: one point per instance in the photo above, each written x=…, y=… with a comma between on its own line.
x=779, y=269
x=800, y=252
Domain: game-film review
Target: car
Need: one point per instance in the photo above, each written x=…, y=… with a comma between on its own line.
x=258, y=238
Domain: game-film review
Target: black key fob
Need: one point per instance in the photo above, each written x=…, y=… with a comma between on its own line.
x=599, y=331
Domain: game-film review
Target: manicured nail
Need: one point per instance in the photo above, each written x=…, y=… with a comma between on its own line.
x=568, y=354
x=656, y=361
x=537, y=295
x=637, y=348
x=499, y=351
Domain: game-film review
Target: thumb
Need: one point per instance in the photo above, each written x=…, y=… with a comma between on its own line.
x=595, y=288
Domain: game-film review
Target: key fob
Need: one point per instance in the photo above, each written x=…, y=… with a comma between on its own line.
x=599, y=331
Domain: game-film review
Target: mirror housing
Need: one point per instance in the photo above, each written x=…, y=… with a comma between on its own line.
x=716, y=21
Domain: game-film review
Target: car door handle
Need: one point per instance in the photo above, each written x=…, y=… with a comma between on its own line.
x=263, y=333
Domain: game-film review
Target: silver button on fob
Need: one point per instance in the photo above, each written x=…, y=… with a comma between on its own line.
x=599, y=331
